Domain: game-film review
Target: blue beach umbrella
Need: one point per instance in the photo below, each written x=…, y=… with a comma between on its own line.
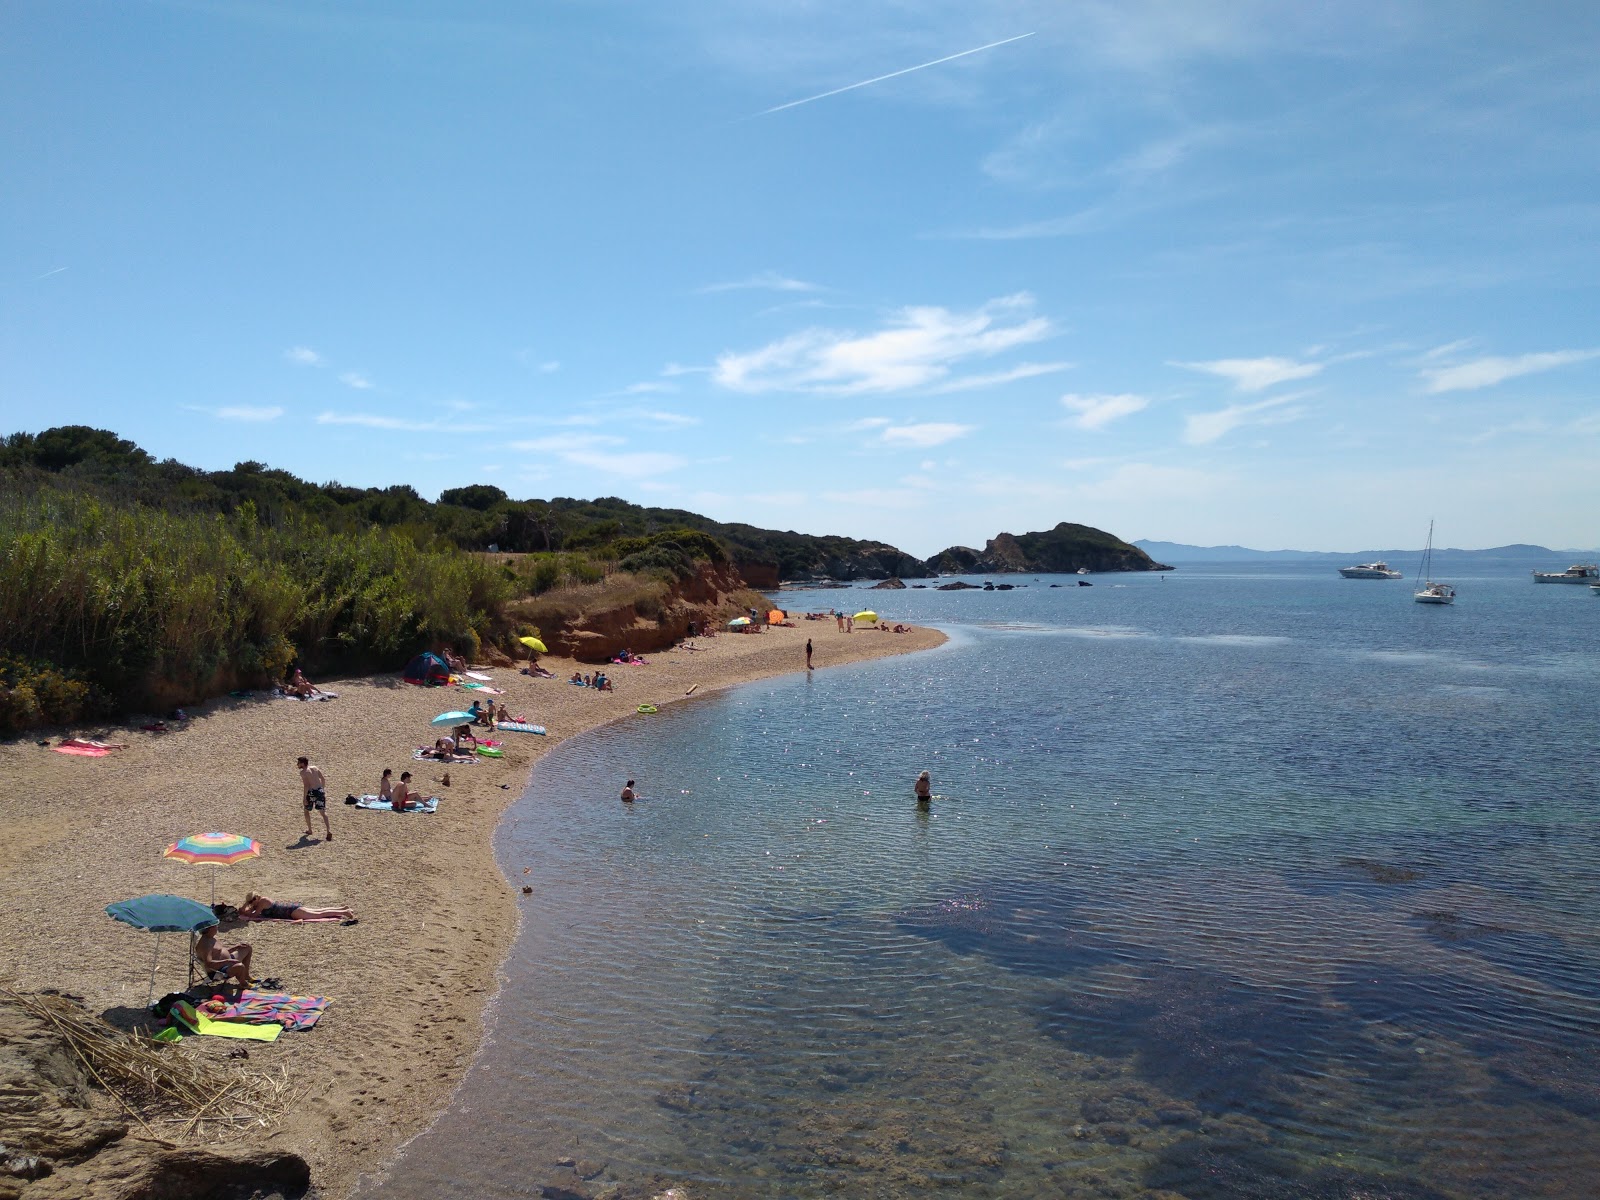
x=451, y=718
x=158, y=914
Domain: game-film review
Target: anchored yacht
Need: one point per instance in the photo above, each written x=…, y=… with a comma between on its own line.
x=1576, y=573
x=1371, y=570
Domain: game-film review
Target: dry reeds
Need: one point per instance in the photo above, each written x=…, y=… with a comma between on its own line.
x=155, y=1083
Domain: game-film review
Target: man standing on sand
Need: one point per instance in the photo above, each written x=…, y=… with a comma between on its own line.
x=314, y=789
x=809, y=667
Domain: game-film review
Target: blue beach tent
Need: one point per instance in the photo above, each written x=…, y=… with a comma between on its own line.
x=426, y=670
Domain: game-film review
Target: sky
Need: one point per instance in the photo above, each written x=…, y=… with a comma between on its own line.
x=1273, y=274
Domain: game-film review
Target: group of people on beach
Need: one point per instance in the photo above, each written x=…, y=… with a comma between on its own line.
x=599, y=680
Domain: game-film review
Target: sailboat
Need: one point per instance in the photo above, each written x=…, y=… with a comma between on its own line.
x=1432, y=593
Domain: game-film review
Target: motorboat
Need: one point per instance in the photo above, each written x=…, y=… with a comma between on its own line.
x=1432, y=593
x=1371, y=570
x=1577, y=573
x=1084, y=571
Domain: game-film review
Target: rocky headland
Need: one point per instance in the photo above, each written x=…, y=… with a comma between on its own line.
x=1062, y=550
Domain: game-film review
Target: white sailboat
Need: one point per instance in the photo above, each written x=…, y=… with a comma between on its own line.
x=1432, y=593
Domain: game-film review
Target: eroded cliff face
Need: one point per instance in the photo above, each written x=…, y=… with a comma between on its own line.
x=65, y=1139
x=707, y=597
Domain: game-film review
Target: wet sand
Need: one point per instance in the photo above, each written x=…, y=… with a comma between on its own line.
x=409, y=982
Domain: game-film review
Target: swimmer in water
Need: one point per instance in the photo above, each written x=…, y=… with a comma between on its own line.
x=924, y=789
x=627, y=792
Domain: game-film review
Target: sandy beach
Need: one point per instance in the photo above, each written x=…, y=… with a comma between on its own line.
x=409, y=982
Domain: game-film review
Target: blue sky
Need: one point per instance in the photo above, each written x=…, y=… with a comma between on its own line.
x=1279, y=274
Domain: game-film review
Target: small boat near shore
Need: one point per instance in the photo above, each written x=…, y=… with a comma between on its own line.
x=1371, y=570
x=1432, y=593
x=1577, y=573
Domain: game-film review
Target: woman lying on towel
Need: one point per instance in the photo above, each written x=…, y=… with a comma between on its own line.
x=259, y=908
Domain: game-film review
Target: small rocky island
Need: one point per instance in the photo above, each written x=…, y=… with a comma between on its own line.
x=1058, y=551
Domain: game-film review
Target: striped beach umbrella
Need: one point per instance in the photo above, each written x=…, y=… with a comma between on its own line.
x=213, y=850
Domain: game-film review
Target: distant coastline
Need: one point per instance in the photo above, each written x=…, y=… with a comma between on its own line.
x=1531, y=556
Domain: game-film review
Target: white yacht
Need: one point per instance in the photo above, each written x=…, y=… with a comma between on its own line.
x=1432, y=593
x=1576, y=573
x=1371, y=570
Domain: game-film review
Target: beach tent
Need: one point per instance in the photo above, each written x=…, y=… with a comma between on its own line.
x=426, y=670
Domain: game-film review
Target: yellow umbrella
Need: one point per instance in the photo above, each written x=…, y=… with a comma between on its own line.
x=865, y=614
x=533, y=643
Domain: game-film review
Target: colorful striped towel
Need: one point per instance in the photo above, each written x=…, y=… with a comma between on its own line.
x=266, y=1008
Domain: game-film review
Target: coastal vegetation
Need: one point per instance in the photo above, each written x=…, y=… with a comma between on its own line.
x=1064, y=549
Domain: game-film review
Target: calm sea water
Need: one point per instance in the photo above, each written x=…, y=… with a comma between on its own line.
x=1246, y=882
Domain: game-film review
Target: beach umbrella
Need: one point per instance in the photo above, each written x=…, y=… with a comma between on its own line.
x=775, y=616
x=534, y=644
x=213, y=850
x=739, y=621
x=451, y=718
x=865, y=614
x=158, y=914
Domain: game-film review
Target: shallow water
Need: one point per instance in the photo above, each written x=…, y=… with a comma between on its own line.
x=1246, y=882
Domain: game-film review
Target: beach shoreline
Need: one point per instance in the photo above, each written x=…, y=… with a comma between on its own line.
x=411, y=984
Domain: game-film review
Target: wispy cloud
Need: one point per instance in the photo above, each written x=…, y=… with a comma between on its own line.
x=918, y=348
x=303, y=356
x=245, y=412
x=1201, y=429
x=399, y=424
x=355, y=379
x=769, y=281
x=663, y=417
x=1486, y=372
x=637, y=465
x=648, y=387
x=850, y=87
x=1096, y=412
x=922, y=436
x=47, y=274
x=1255, y=374
x=968, y=383
x=566, y=443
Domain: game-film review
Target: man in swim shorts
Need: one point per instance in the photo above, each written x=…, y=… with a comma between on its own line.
x=627, y=792
x=314, y=790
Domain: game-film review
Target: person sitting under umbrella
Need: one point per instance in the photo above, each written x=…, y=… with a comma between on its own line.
x=259, y=908
x=231, y=962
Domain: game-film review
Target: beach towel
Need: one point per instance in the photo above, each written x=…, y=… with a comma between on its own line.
x=82, y=749
x=483, y=687
x=424, y=754
x=275, y=1009
x=520, y=727
x=478, y=675
x=431, y=804
x=186, y=1014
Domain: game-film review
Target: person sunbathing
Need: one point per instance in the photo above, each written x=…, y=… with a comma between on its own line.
x=259, y=908
x=231, y=962
x=299, y=685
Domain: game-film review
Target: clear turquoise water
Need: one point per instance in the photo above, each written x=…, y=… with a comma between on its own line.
x=1249, y=882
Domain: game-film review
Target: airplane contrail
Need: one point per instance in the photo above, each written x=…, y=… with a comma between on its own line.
x=47, y=274
x=850, y=87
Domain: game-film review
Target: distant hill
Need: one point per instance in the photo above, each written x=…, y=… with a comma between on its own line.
x=1061, y=550
x=1520, y=553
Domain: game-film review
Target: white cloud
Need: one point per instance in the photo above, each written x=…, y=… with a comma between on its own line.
x=304, y=356
x=1201, y=429
x=875, y=498
x=244, y=412
x=1486, y=372
x=563, y=443
x=550, y=367
x=355, y=379
x=1586, y=425
x=1146, y=481
x=1022, y=371
x=402, y=424
x=1255, y=374
x=924, y=435
x=672, y=370
x=663, y=417
x=638, y=465
x=918, y=348
x=647, y=388
x=1098, y=411
x=765, y=281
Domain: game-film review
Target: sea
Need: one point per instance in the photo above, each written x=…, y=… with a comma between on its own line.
x=1239, y=881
